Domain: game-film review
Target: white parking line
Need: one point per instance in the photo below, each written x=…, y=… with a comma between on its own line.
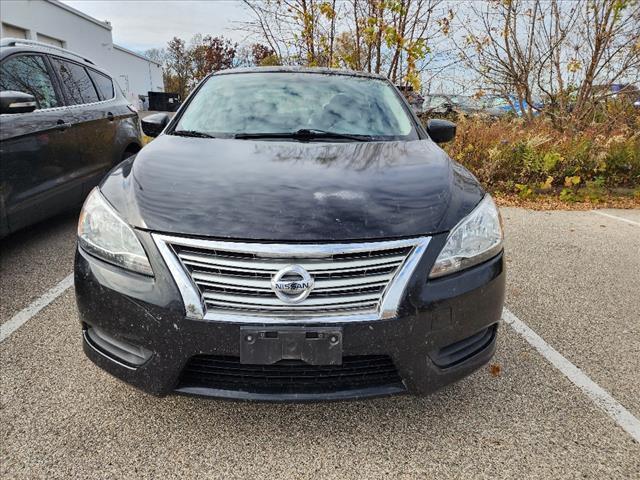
x=595, y=392
x=24, y=315
x=616, y=217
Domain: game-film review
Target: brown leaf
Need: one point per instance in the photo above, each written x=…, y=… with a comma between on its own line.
x=495, y=369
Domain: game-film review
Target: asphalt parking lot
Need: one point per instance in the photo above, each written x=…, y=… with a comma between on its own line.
x=573, y=279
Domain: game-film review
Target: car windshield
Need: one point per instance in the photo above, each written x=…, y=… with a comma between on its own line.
x=283, y=102
x=459, y=99
x=465, y=101
x=494, y=102
x=435, y=101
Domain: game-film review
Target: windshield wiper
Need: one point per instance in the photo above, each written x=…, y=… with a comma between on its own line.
x=306, y=134
x=191, y=133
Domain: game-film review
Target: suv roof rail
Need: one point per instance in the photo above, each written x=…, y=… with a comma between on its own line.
x=12, y=42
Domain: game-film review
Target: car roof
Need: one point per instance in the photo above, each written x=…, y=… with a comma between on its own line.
x=10, y=46
x=288, y=69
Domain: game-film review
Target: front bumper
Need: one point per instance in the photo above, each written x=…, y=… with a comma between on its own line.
x=445, y=329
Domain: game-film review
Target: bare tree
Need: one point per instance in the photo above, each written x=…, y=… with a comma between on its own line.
x=391, y=37
x=569, y=54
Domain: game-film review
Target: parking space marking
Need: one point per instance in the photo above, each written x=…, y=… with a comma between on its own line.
x=616, y=217
x=595, y=392
x=24, y=315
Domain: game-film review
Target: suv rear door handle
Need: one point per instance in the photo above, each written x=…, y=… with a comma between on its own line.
x=110, y=116
x=62, y=125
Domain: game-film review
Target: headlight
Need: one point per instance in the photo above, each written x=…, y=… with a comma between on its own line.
x=477, y=238
x=102, y=233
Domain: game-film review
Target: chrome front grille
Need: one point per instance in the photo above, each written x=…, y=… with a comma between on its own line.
x=233, y=280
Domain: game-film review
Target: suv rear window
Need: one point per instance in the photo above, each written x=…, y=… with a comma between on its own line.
x=103, y=83
x=76, y=82
x=29, y=74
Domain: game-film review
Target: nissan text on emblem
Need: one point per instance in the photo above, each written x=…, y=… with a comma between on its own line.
x=292, y=284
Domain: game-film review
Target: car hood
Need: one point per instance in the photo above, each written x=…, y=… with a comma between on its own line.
x=291, y=191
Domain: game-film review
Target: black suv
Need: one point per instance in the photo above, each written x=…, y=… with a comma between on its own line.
x=63, y=124
x=291, y=234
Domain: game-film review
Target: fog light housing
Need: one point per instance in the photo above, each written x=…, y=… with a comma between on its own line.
x=123, y=352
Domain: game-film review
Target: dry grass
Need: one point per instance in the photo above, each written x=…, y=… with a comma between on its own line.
x=552, y=202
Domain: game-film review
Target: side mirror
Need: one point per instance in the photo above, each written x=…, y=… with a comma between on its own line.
x=441, y=131
x=153, y=125
x=17, y=102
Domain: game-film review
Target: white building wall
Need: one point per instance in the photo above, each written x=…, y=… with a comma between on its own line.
x=139, y=74
x=84, y=35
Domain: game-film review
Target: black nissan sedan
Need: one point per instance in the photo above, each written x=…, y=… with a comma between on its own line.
x=290, y=235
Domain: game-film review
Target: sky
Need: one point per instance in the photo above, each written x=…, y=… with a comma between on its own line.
x=141, y=25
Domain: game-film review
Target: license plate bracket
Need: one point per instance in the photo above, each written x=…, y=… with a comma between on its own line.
x=268, y=345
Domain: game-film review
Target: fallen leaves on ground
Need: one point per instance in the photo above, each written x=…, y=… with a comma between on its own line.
x=543, y=202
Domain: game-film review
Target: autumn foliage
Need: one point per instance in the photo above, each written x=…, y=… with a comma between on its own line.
x=534, y=158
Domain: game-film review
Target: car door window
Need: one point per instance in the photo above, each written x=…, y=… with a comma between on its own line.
x=29, y=74
x=103, y=83
x=75, y=80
